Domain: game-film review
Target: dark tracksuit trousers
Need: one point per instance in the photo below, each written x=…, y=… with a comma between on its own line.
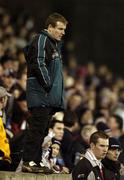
x=38, y=129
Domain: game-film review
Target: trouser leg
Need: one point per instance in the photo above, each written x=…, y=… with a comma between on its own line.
x=38, y=129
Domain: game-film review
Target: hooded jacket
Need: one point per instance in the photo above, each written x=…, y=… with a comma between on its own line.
x=44, y=70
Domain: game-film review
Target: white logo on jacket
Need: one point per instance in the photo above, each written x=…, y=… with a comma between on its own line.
x=55, y=54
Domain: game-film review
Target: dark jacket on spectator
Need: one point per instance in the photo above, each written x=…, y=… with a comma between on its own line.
x=112, y=168
x=68, y=148
x=87, y=169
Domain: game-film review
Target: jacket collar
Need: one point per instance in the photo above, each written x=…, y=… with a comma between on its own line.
x=93, y=160
x=112, y=165
x=59, y=43
x=47, y=34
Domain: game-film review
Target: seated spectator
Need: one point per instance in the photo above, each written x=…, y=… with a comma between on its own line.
x=46, y=150
x=84, y=137
x=58, y=128
x=111, y=162
x=115, y=122
x=5, y=160
x=68, y=145
x=86, y=116
x=20, y=114
x=53, y=157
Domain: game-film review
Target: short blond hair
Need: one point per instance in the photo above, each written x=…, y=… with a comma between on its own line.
x=54, y=18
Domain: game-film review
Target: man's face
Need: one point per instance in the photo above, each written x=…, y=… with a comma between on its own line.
x=100, y=148
x=23, y=105
x=58, y=31
x=113, y=154
x=58, y=129
x=112, y=123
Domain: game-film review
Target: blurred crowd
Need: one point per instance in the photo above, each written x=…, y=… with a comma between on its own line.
x=94, y=99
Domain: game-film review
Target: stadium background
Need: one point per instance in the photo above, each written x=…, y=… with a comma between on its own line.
x=95, y=31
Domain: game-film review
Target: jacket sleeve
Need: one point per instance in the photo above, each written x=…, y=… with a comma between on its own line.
x=82, y=171
x=38, y=64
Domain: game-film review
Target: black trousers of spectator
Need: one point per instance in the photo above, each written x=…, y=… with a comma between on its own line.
x=38, y=129
x=5, y=165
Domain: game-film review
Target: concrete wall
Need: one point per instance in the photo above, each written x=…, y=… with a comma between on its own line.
x=27, y=176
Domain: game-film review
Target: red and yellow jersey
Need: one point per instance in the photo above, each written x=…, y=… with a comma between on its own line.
x=4, y=143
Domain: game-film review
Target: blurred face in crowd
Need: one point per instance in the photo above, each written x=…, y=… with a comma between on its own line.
x=55, y=150
x=8, y=81
x=3, y=102
x=87, y=117
x=2, y=51
x=58, y=31
x=105, y=112
x=1, y=71
x=7, y=64
x=15, y=65
x=22, y=81
x=74, y=101
x=58, y=129
x=113, y=154
x=87, y=131
x=23, y=105
x=21, y=58
x=100, y=148
x=112, y=123
x=91, y=68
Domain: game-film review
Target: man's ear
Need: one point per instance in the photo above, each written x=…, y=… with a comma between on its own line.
x=50, y=27
x=92, y=145
x=50, y=129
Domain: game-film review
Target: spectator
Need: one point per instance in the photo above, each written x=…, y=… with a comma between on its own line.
x=111, y=162
x=44, y=87
x=58, y=129
x=84, y=137
x=5, y=160
x=90, y=167
x=115, y=123
x=69, y=145
x=55, y=151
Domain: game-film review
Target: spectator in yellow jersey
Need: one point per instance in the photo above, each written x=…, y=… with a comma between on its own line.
x=5, y=159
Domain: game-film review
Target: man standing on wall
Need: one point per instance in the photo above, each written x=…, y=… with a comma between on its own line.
x=44, y=87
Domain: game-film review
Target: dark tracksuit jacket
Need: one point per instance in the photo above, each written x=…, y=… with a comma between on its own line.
x=87, y=169
x=44, y=69
x=112, y=168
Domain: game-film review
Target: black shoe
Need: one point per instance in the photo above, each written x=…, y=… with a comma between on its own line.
x=32, y=167
x=46, y=170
